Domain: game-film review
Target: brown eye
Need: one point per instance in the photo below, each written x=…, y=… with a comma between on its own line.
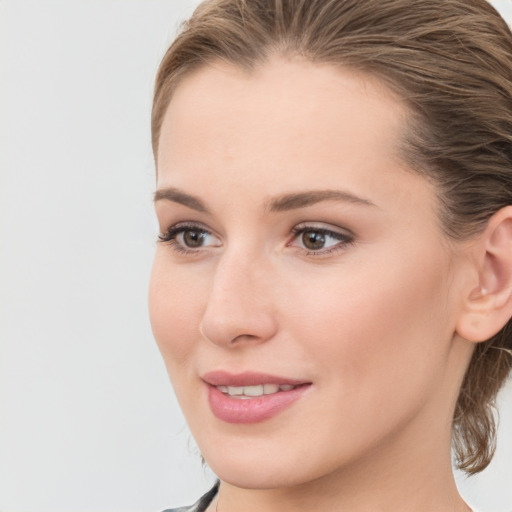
x=319, y=241
x=313, y=240
x=183, y=238
x=194, y=238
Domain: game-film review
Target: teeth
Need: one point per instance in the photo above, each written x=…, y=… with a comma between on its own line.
x=234, y=391
x=254, y=391
x=269, y=389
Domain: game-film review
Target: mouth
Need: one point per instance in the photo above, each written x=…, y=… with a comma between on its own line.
x=248, y=392
x=251, y=397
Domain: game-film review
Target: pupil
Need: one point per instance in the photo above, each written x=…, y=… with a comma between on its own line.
x=313, y=240
x=193, y=238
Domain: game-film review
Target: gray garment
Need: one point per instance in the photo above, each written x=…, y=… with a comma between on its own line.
x=201, y=505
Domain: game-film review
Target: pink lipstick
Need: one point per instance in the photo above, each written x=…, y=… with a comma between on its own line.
x=251, y=397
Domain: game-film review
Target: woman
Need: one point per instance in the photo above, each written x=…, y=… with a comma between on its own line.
x=332, y=290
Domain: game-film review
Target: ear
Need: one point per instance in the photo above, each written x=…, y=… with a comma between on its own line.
x=488, y=302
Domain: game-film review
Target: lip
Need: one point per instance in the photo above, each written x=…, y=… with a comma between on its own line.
x=251, y=410
x=224, y=378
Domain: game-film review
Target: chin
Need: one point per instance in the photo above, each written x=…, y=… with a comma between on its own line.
x=267, y=467
x=243, y=476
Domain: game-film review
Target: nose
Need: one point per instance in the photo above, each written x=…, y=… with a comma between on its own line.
x=240, y=308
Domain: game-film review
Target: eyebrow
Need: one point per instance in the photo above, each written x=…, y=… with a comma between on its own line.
x=303, y=199
x=282, y=203
x=177, y=196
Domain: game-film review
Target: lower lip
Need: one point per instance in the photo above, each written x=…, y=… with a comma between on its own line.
x=251, y=410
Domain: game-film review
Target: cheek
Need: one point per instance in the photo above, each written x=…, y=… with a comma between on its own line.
x=367, y=326
x=175, y=309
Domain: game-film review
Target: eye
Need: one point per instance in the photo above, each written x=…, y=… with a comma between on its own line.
x=193, y=238
x=318, y=240
x=189, y=237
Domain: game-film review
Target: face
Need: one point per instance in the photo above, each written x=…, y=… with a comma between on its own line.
x=303, y=296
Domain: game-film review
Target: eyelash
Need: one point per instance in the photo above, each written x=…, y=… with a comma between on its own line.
x=345, y=239
x=172, y=233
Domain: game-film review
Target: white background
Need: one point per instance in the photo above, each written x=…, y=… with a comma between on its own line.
x=88, y=420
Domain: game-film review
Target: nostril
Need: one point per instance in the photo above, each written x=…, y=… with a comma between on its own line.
x=233, y=330
x=244, y=338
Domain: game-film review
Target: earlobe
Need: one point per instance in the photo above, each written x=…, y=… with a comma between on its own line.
x=488, y=305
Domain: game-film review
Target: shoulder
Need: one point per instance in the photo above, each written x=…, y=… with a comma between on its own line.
x=199, y=506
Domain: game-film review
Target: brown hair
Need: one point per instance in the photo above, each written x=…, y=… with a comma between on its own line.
x=451, y=62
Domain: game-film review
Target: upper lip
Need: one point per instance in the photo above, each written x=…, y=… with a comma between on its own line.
x=224, y=378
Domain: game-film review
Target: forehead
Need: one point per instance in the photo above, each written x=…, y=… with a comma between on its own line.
x=220, y=103
x=285, y=125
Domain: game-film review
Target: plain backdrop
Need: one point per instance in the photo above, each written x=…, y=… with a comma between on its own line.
x=88, y=420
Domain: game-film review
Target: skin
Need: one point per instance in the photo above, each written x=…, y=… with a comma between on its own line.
x=371, y=322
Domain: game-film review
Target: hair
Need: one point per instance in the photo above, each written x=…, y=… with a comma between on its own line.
x=450, y=61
